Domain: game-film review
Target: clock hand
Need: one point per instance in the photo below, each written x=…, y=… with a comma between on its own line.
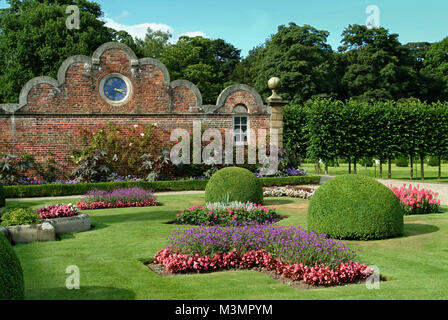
x=119, y=90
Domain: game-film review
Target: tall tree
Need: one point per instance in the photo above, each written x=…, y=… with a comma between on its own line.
x=205, y=62
x=378, y=65
x=436, y=65
x=302, y=58
x=154, y=44
x=34, y=40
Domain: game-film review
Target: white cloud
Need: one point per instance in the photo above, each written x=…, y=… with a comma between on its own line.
x=137, y=30
x=194, y=34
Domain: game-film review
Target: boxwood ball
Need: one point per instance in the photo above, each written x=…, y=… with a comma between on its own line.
x=355, y=207
x=234, y=184
x=11, y=275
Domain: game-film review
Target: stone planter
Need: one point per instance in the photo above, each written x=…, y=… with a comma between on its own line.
x=29, y=233
x=74, y=224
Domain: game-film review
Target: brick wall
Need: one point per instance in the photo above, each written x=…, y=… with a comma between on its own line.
x=50, y=112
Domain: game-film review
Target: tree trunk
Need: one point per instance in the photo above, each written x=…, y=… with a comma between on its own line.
x=326, y=169
x=422, y=167
x=349, y=166
x=440, y=168
x=412, y=167
x=381, y=169
x=389, y=173
x=355, y=169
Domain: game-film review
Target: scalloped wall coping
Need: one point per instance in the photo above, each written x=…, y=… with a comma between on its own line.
x=96, y=58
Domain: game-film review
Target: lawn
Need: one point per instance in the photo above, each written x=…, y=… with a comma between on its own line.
x=110, y=260
x=400, y=173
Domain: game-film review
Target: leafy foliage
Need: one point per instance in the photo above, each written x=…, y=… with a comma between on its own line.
x=234, y=184
x=12, y=286
x=19, y=217
x=34, y=40
x=355, y=207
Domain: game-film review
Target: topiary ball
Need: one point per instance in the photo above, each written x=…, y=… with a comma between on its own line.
x=234, y=184
x=2, y=196
x=11, y=275
x=355, y=207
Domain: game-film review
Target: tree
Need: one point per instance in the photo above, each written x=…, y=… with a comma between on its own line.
x=378, y=65
x=436, y=65
x=301, y=57
x=205, y=62
x=296, y=133
x=34, y=40
x=154, y=44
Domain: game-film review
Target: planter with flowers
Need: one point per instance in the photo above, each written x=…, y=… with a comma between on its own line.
x=65, y=218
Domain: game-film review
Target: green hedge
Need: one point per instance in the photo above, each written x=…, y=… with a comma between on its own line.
x=11, y=275
x=2, y=196
x=55, y=190
x=355, y=207
x=234, y=184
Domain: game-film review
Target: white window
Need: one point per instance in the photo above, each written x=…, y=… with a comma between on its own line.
x=240, y=129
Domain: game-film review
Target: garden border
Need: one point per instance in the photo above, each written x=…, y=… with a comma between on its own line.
x=58, y=190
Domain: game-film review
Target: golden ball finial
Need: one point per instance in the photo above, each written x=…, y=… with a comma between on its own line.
x=274, y=83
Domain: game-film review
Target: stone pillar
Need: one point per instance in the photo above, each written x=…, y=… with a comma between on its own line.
x=276, y=104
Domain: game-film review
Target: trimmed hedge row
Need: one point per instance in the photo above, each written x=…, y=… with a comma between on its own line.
x=56, y=190
x=2, y=196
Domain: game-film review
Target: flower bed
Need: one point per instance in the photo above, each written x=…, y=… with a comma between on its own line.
x=223, y=214
x=118, y=198
x=288, y=250
x=57, y=211
x=417, y=201
x=289, y=191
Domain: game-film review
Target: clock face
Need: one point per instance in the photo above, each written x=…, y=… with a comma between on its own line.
x=115, y=89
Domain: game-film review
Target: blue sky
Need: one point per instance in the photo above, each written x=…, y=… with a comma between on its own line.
x=247, y=23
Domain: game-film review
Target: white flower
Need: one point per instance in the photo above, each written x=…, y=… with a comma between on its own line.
x=135, y=126
x=155, y=124
x=130, y=144
x=142, y=134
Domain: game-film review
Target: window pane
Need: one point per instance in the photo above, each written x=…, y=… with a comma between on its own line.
x=237, y=120
x=243, y=120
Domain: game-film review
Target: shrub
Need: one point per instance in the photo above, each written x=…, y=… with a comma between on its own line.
x=417, y=201
x=433, y=161
x=234, y=184
x=12, y=286
x=19, y=217
x=2, y=196
x=402, y=162
x=366, y=162
x=226, y=213
x=355, y=207
x=57, y=211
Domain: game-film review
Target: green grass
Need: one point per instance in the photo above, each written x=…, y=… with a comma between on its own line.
x=399, y=173
x=109, y=258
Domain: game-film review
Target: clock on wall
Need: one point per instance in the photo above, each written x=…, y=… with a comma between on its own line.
x=115, y=89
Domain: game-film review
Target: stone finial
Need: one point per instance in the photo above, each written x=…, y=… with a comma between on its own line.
x=274, y=84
